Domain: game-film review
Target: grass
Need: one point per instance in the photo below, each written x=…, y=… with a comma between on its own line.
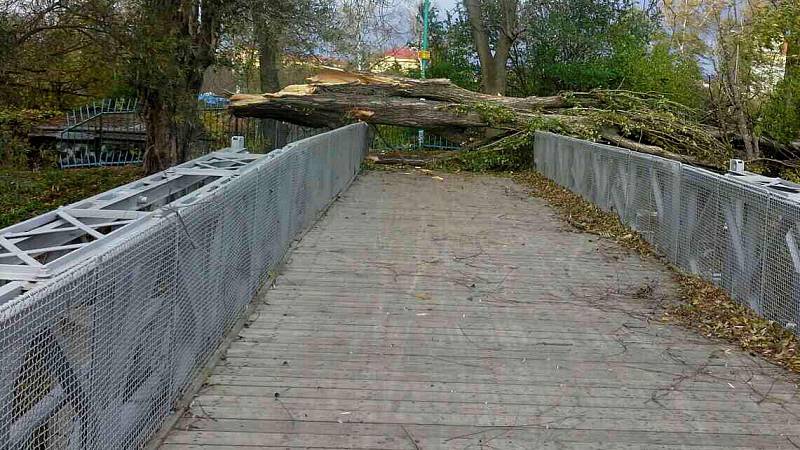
x=25, y=193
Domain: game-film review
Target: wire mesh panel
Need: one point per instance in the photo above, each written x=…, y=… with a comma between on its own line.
x=575, y=164
x=780, y=299
x=743, y=210
x=563, y=163
x=600, y=169
x=543, y=157
x=580, y=175
x=665, y=184
x=97, y=357
x=701, y=224
x=46, y=344
x=742, y=237
x=654, y=201
x=136, y=291
x=617, y=196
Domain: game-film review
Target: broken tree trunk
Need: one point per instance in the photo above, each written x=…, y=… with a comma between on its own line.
x=640, y=122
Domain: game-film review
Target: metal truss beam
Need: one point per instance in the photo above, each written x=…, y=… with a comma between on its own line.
x=777, y=186
x=46, y=245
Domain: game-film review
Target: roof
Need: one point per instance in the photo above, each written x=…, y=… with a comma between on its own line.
x=402, y=53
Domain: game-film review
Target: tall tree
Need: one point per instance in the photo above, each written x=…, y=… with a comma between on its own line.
x=169, y=44
x=267, y=33
x=365, y=27
x=494, y=30
x=577, y=44
x=280, y=26
x=49, y=55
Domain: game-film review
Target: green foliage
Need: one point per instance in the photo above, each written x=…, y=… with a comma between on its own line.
x=572, y=44
x=499, y=159
x=49, y=58
x=451, y=51
x=494, y=114
x=658, y=70
x=15, y=124
x=780, y=118
x=454, y=67
x=25, y=194
x=582, y=45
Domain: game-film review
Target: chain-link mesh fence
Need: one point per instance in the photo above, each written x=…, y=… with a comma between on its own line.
x=742, y=237
x=97, y=357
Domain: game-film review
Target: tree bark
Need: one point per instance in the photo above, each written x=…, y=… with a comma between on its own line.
x=168, y=65
x=493, y=61
x=167, y=141
x=613, y=136
x=267, y=35
x=172, y=122
x=335, y=98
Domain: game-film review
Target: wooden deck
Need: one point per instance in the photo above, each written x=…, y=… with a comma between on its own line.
x=428, y=314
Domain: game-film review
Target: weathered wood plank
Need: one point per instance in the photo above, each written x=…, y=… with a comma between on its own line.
x=455, y=314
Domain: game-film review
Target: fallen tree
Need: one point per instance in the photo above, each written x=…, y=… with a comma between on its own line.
x=641, y=122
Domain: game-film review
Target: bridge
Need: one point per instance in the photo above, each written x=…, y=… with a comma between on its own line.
x=293, y=301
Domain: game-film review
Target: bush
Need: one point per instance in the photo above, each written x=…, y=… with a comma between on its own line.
x=27, y=193
x=660, y=71
x=780, y=118
x=15, y=125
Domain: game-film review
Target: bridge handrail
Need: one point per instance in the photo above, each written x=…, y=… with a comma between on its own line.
x=740, y=232
x=97, y=357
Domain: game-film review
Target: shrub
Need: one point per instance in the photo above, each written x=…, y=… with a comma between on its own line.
x=15, y=125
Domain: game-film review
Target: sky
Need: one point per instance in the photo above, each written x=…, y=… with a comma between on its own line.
x=445, y=4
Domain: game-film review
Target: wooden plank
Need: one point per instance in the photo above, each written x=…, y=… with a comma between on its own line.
x=444, y=436
x=249, y=438
x=473, y=318
x=779, y=395
x=608, y=398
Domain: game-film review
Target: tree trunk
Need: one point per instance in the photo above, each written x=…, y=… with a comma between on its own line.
x=269, y=53
x=268, y=69
x=494, y=70
x=171, y=128
x=168, y=60
x=743, y=123
x=335, y=98
x=171, y=118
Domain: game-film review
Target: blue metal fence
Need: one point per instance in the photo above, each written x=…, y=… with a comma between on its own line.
x=393, y=138
x=111, y=133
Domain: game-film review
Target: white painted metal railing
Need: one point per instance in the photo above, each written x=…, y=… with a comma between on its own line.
x=112, y=305
x=739, y=230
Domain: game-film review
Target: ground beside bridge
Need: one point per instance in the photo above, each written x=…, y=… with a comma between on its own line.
x=423, y=313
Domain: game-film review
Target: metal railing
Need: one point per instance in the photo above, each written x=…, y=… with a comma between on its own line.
x=112, y=133
x=392, y=138
x=89, y=110
x=97, y=350
x=741, y=232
